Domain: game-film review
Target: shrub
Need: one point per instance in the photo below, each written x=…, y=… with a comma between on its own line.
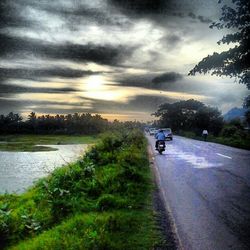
x=229, y=131
x=113, y=175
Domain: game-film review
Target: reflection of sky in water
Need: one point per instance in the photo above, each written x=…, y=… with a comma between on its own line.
x=18, y=170
x=195, y=160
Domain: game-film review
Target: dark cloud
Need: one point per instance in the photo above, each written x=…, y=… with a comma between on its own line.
x=157, y=11
x=45, y=107
x=178, y=14
x=141, y=103
x=167, y=77
x=192, y=15
x=143, y=81
x=10, y=13
x=10, y=105
x=101, y=54
x=142, y=7
x=169, y=81
x=171, y=41
x=202, y=19
x=16, y=14
x=30, y=73
x=7, y=90
x=154, y=8
x=79, y=13
x=165, y=81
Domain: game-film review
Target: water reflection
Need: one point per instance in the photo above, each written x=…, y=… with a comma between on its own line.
x=18, y=170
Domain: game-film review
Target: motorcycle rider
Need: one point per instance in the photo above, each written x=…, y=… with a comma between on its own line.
x=160, y=136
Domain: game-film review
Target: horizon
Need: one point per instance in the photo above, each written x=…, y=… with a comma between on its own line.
x=111, y=117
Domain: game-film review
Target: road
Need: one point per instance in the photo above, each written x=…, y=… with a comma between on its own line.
x=206, y=187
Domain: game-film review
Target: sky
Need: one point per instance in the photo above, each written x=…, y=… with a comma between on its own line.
x=117, y=58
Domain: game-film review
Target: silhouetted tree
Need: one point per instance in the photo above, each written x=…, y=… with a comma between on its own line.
x=235, y=61
x=10, y=123
x=85, y=123
x=190, y=115
x=247, y=116
x=179, y=115
x=246, y=104
x=32, y=121
x=208, y=118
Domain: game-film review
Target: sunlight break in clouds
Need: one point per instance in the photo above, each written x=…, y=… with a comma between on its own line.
x=94, y=83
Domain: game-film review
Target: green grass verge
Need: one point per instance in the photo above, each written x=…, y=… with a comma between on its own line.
x=28, y=143
x=100, y=202
x=107, y=230
x=237, y=142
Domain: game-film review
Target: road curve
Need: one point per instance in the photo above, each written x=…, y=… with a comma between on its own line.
x=207, y=189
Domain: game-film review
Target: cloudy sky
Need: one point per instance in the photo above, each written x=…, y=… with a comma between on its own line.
x=118, y=58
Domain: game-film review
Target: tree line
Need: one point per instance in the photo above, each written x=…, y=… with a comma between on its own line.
x=189, y=118
x=84, y=123
x=189, y=115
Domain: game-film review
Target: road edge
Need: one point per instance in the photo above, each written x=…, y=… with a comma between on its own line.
x=162, y=196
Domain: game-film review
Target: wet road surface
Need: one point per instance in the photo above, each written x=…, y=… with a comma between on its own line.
x=207, y=188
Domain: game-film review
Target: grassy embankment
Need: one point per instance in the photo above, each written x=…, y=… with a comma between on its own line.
x=29, y=143
x=100, y=202
x=238, y=141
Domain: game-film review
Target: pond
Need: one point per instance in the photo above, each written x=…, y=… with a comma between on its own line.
x=18, y=170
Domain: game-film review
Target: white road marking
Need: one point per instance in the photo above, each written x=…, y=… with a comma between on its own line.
x=224, y=156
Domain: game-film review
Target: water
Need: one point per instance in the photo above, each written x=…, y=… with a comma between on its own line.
x=18, y=170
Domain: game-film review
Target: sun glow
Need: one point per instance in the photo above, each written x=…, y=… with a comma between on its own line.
x=95, y=87
x=94, y=83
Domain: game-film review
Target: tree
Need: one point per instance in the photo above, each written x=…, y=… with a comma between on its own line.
x=208, y=118
x=32, y=120
x=246, y=104
x=247, y=117
x=235, y=61
x=190, y=115
x=178, y=115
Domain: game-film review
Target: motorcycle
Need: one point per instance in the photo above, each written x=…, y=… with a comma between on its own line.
x=161, y=146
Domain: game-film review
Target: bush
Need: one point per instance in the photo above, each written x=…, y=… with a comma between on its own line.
x=113, y=175
x=229, y=131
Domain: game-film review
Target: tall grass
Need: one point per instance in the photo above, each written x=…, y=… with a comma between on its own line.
x=103, y=201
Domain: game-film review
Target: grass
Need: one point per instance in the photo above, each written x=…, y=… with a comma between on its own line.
x=233, y=141
x=107, y=230
x=103, y=201
x=31, y=143
x=21, y=147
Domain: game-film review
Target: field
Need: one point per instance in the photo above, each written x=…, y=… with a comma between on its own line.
x=32, y=143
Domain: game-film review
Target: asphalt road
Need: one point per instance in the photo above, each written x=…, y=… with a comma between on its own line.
x=206, y=187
